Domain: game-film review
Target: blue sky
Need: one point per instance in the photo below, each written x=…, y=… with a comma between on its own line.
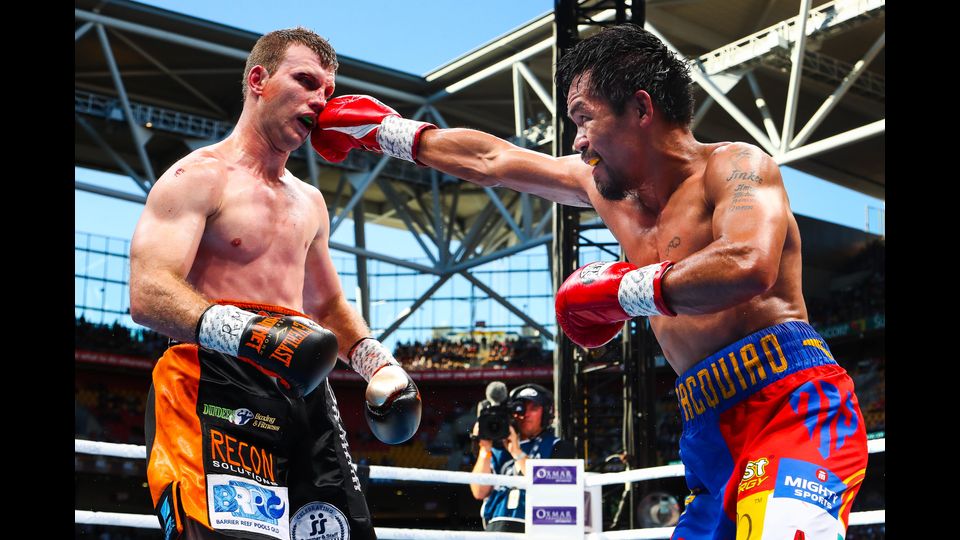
x=412, y=36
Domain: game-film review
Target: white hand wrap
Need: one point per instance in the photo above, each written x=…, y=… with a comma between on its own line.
x=397, y=137
x=368, y=356
x=220, y=328
x=640, y=294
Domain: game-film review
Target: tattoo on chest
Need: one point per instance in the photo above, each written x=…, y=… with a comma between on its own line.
x=674, y=242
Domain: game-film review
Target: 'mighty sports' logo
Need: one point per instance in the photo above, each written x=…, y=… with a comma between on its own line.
x=810, y=483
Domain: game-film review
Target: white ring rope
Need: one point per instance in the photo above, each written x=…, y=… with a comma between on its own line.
x=98, y=448
x=382, y=472
x=140, y=521
x=150, y=521
x=657, y=533
x=635, y=475
x=384, y=533
x=635, y=534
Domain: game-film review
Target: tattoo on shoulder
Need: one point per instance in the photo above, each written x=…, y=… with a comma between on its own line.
x=674, y=242
x=743, y=169
x=738, y=174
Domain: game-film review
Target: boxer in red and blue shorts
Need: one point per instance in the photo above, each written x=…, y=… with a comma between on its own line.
x=773, y=440
x=713, y=257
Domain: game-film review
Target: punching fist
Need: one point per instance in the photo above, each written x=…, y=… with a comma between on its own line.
x=295, y=349
x=595, y=300
x=393, y=405
x=358, y=121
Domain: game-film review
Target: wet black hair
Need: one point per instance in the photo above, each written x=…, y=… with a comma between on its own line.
x=625, y=58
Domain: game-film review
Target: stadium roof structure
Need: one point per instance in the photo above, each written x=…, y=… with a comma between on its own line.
x=151, y=85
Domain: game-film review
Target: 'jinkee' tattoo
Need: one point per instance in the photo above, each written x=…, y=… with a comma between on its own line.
x=745, y=175
x=744, y=172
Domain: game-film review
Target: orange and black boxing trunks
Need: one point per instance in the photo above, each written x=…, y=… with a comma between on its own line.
x=232, y=454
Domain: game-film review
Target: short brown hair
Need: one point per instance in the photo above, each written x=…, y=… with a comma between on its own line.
x=271, y=48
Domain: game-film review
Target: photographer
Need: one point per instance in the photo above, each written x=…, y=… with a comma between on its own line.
x=529, y=435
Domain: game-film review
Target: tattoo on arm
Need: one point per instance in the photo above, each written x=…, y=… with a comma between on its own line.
x=743, y=198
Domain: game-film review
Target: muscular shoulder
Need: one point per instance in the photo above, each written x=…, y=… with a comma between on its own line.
x=202, y=169
x=197, y=180
x=730, y=163
x=738, y=155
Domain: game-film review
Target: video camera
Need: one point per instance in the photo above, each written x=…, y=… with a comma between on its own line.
x=495, y=414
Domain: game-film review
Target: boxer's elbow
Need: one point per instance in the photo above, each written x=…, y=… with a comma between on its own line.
x=139, y=307
x=757, y=271
x=143, y=299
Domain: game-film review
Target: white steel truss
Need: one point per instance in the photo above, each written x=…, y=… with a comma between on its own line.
x=511, y=223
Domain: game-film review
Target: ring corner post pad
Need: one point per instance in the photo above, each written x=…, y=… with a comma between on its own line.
x=554, y=506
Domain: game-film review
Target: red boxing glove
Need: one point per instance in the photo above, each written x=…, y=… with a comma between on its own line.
x=349, y=122
x=595, y=300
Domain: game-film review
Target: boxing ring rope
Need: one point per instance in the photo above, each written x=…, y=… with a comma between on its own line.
x=380, y=472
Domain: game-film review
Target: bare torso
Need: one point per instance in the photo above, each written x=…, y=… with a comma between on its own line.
x=255, y=244
x=684, y=227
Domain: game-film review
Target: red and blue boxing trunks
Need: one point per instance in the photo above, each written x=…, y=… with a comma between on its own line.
x=774, y=443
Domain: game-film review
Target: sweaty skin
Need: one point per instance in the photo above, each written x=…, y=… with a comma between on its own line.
x=228, y=221
x=719, y=211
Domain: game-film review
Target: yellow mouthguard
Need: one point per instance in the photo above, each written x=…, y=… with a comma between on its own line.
x=593, y=162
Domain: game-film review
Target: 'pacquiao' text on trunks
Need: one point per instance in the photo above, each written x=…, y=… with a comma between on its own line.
x=742, y=368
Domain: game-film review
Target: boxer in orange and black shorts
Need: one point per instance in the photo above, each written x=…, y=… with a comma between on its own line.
x=229, y=446
x=244, y=435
